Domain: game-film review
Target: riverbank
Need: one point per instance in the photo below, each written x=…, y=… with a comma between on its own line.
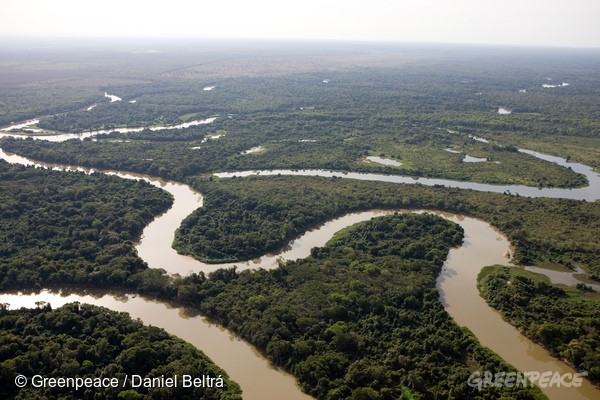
x=196, y=204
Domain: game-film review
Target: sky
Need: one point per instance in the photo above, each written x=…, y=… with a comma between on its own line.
x=572, y=23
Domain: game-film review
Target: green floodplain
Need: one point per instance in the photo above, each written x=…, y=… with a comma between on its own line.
x=358, y=319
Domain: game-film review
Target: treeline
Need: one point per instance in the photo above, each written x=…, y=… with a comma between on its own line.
x=565, y=321
x=359, y=318
x=61, y=228
x=81, y=340
x=247, y=217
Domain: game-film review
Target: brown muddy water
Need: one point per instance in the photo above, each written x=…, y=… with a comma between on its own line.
x=457, y=285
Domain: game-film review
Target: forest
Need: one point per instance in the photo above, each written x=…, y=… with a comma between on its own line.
x=180, y=154
x=359, y=318
x=81, y=340
x=323, y=106
x=362, y=291
x=62, y=228
x=564, y=320
x=412, y=113
x=246, y=217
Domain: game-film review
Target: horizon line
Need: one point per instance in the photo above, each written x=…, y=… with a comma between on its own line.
x=290, y=40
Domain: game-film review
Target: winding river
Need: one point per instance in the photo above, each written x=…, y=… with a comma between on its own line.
x=457, y=283
x=588, y=193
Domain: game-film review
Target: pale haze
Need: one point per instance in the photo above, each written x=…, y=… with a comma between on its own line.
x=513, y=22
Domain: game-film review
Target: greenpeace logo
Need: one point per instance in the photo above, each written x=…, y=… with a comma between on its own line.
x=489, y=379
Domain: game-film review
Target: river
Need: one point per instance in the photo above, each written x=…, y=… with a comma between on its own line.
x=457, y=285
x=61, y=137
x=240, y=360
x=588, y=193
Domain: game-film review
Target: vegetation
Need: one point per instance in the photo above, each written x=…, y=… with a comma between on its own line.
x=85, y=341
x=299, y=139
x=410, y=112
x=62, y=228
x=247, y=217
x=564, y=320
x=316, y=317
x=359, y=318
x=161, y=135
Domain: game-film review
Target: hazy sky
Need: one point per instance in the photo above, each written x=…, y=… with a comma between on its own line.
x=527, y=22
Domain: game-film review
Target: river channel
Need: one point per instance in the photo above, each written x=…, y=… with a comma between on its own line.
x=457, y=285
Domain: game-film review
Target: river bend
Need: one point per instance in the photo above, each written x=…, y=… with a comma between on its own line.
x=482, y=246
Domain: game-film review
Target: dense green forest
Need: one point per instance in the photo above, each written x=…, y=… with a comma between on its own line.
x=565, y=321
x=70, y=228
x=246, y=217
x=85, y=341
x=359, y=318
x=397, y=257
